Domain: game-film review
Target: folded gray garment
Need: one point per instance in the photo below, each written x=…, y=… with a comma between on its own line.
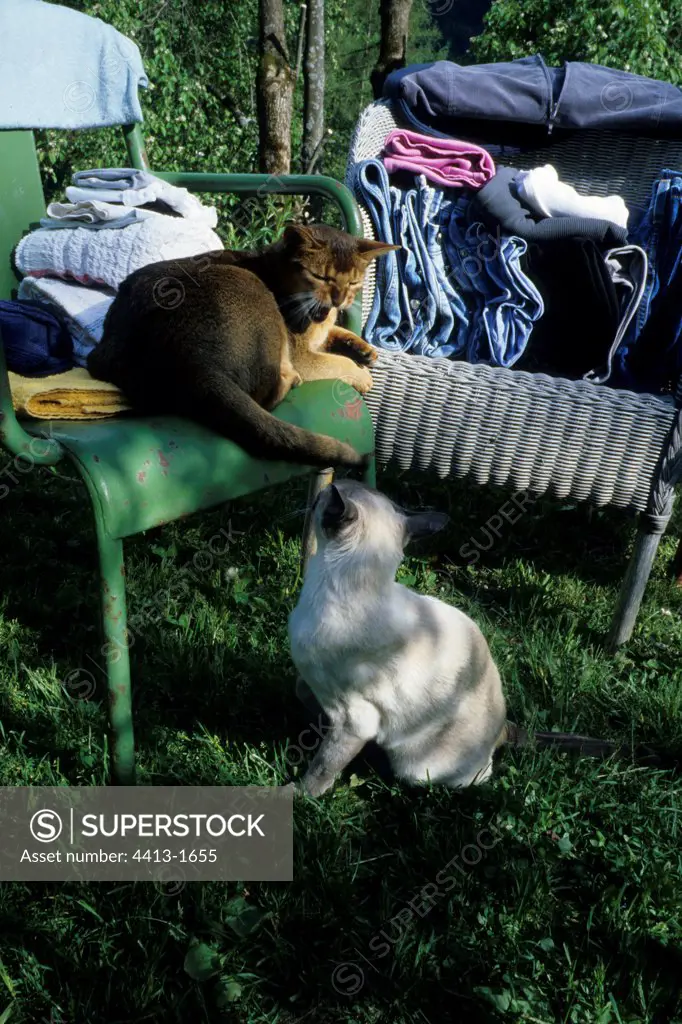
x=497, y=204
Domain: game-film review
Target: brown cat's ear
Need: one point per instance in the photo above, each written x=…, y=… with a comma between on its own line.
x=299, y=235
x=368, y=249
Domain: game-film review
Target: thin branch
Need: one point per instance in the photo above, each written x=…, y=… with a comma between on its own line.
x=301, y=40
x=158, y=14
x=317, y=153
x=230, y=104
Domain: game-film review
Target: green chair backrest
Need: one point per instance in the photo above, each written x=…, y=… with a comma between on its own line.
x=22, y=202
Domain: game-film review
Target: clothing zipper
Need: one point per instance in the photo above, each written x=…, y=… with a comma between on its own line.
x=551, y=109
x=552, y=117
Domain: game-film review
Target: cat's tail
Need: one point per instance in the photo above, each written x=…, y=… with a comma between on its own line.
x=514, y=736
x=229, y=410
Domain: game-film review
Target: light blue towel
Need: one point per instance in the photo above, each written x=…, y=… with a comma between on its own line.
x=63, y=69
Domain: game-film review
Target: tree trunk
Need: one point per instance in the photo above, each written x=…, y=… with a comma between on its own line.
x=276, y=81
x=313, y=97
x=395, y=19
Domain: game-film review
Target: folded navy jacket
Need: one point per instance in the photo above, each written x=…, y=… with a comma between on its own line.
x=497, y=205
x=36, y=342
x=578, y=95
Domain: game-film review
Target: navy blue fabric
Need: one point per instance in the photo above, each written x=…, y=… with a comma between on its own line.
x=650, y=358
x=36, y=342
x=440, y=96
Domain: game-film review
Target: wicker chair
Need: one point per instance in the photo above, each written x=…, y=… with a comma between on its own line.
x=530, y=431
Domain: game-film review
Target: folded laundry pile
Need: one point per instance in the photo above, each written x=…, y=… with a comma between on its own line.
x=500, y=205
x=442, y=96
x=650, y=358
x=445, y=162
x=35, y=339
x=499, y=265
x=133, y=189
x=82, y=309
x=109, y=255
x=115, y=221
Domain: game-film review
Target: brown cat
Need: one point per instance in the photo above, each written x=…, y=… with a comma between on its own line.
x=222, y=337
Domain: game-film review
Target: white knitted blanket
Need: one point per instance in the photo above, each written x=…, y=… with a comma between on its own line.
x=108, y=256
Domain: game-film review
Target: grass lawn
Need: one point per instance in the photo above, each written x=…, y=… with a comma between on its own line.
x=403, y=910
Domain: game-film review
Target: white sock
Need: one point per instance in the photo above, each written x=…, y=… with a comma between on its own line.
x=541, y=190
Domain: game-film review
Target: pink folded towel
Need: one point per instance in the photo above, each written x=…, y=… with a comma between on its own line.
x=450, y=163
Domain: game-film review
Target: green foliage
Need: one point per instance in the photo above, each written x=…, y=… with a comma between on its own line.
x=352, y=33
x=642, y=36
x=200, y=112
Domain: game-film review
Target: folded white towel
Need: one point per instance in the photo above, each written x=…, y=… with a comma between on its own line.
x=110, y=255
x=83, y=309
x=93, y=214
x=135, y=188
x=541, y=190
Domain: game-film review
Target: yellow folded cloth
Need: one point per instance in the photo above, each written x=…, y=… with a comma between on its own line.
x=73, y=395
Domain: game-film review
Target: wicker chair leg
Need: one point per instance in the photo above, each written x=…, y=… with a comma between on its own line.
x=318, y=482
x=634, y=584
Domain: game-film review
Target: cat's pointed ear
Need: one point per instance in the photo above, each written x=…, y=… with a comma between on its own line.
x=423, y=524
x=338, y=510
x=368, y=249
x=299, y=234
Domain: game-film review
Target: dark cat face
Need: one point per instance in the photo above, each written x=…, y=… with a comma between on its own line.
x=326, y=267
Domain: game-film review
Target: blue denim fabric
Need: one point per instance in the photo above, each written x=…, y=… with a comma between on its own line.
x=505, y=302
x=659, y=233
x=454, y=289
x=415, y=306
x=385, y=317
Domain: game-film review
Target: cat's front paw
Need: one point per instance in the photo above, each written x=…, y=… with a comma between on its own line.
x=364, y=381
x=368, y=356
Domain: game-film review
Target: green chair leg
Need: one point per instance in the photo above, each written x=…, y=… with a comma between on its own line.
x=369, y=476
x=117, y=659
x=319, y=480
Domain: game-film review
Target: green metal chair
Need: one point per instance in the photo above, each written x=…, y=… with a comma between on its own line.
x=142, y=472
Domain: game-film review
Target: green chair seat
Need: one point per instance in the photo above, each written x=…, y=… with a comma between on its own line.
x=142, y=472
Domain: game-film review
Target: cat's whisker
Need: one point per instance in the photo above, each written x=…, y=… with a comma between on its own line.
x=292, y=515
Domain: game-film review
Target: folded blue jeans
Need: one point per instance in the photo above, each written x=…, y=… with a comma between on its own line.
x=659, y=233
x=415, y=305
x=454, y=290
x=488, y=269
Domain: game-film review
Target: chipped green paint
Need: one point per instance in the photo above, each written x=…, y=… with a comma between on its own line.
x=136, y=491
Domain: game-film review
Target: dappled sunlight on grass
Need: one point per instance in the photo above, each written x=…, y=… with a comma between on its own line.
x=572, y=913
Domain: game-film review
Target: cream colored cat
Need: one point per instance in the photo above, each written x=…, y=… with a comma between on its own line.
x=388, y=664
